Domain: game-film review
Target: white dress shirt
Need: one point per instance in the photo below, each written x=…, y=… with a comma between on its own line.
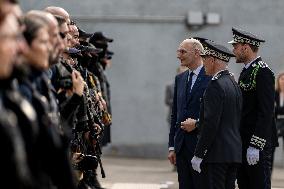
x=247, y=65
x=194, y=77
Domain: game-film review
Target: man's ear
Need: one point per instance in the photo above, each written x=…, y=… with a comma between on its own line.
x=246, y=47
x=212, y=59
x=196, y=52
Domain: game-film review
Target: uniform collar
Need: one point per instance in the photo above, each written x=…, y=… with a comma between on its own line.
x=248, y=65
x=218, y=73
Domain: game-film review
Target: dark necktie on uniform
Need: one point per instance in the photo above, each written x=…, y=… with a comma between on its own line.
x=243, y=70
x=189, y=83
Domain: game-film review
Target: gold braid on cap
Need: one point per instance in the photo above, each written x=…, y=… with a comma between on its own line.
x=217, y=54
x=240, y=39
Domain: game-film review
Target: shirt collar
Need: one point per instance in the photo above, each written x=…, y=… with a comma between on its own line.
x=197, y=70
x=247, y=65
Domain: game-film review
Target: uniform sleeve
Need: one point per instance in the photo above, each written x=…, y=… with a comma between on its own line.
x=210, y=121
x=173, y=117
x=265, y=108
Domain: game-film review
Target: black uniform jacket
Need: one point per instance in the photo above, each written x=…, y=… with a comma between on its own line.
x=279, y=110
x=258, y=123
x=220, y=140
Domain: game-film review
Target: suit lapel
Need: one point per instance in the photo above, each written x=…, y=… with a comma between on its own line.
x=196, y=84
x=183, y=82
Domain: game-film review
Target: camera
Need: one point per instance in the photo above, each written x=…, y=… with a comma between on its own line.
x=88, y=49
x=65, y=82
x=89, y=162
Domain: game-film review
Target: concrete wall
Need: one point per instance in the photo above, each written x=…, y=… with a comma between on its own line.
x=145, y=54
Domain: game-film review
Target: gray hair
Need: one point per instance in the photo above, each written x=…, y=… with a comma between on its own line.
x=195, y=44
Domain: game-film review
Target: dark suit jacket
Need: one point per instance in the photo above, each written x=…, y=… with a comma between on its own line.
x=279, y=110
x=186, y=107
x=258, y=122
x=220, y=114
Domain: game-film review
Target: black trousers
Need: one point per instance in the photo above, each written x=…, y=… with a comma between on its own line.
x=187, y=177
x=218, y=175
x=256, y=176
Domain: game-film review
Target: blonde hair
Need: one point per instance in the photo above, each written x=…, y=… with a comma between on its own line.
x=277, y=86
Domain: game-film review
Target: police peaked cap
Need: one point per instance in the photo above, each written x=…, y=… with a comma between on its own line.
x=216, y=50
x=202, y=40
x=241, y=36
x=83, y=33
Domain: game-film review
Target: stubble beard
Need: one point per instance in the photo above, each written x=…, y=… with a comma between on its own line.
x=240, y=59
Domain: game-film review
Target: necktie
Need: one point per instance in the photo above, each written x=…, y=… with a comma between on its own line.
x=189, y=83
x=243, y=70
x=241, y=74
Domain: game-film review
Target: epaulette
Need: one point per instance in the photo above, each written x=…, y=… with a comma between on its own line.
x=216, y=76
x=219, y=75
x=262, y=64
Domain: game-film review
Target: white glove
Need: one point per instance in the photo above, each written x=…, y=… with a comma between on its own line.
x=195, y=162
x=252, y=155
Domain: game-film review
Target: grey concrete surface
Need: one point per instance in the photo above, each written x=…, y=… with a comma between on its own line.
x=150, y=172
x=145, y=54
x=279, y=154
x=137, y=171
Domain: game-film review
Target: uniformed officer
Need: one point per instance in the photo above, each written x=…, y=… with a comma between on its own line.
x=219, y=146
x=257, y=123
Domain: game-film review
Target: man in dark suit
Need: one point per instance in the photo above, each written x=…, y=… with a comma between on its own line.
x=188, y=90
x=219, y=147
x=258, y=128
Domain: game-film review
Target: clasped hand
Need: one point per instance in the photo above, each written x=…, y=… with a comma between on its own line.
x=188, y=125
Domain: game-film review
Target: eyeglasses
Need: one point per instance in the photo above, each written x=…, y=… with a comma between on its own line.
x=72, y=23
x=182, y=51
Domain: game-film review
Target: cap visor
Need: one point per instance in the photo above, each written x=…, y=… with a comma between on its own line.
x=232, y=42
x=95, y=50
x=109, y=40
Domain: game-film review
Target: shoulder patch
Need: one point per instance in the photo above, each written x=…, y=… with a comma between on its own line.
x=220, y=74
x=263, y=64
x=216, y=76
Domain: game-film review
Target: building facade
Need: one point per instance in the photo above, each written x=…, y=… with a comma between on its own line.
x=146, y=35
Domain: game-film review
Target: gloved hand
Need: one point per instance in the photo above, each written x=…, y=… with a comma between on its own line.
x=252, y=155
x=195, y=162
